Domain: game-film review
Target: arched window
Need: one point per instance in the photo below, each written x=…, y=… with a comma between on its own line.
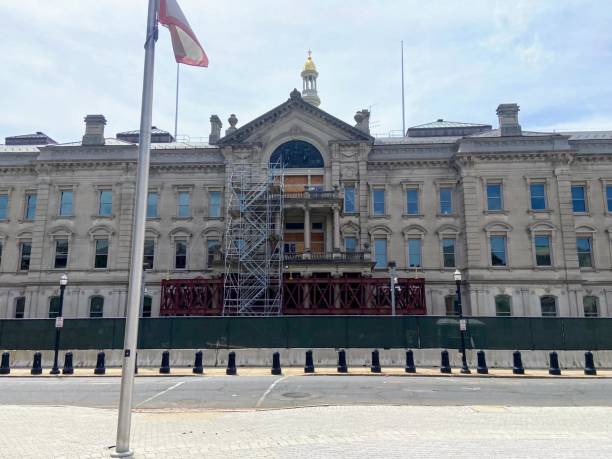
x=548, y=304
x=146, y=306
x=54, y=307
x=503, y=305
x=450, y=305
x=96, y=307
x=591, y=306
x=296, y=154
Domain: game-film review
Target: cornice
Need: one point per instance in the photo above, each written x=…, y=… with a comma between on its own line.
x=421, y=163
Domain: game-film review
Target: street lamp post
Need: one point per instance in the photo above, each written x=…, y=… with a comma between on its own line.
x=462, y=324
x=59, y=323
x=393, y=280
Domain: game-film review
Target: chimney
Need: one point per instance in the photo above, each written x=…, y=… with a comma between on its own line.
x=232, y=120
x=94, y=130
x=508, y=120
x=363, y=120
x=215, y=130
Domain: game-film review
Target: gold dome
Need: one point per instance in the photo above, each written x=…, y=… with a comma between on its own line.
x=309, y=65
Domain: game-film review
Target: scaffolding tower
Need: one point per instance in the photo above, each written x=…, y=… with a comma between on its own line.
x=254, y=241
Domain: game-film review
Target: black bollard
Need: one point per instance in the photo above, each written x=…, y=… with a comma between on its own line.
x=36, y=364
x=375, y=368
x=68, y=367
x=410, y=368
x=100, y=368
x=165, y=363
x=554, y=364
x=231, y=364
x=198, y=368
x=136, y=363
x=445, y=364
x=5, y=368
x=342, y=367
x=309, y=366
x=517, y=363
x=481, y=368
x=276, y=366
x=589, y=364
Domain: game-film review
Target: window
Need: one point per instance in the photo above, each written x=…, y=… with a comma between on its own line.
x=380, y=253
x=296, y=154
x=503, y=305
x=20, y=307
x=446, y=200
x=414, y=253
x=350, y=244
x=450, y=304
x=498, y=250
x=101, y=253
x=538, y=196
x=96, y=307
x=25, y=251
x=180, y=254
x=3, y=206
x=212, y=248
x=29, y=212
x=61, y=253
x=609, y=198
x=105, y=205
x=148, y=258
x=378, y=201
x=152, y=202
x=66, y=201
x=294, y=225
x=584, y=246
x=448, y=252
x=548, y=304
x=579, y=198
x=591, y=306
x=214, y=204
x=146, y=306
x=542, y=250
x=349, y=199
x=412, y=201
x=183, y=208
x=54, y=307
x=494, y=197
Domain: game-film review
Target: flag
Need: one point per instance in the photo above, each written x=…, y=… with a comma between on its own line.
x=187, y=48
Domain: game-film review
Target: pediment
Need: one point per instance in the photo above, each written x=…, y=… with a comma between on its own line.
x=295, y=116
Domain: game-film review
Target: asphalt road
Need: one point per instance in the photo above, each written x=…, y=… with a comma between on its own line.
x=291, y=391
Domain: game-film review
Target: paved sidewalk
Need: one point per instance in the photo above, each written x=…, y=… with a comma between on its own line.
x=321, y=432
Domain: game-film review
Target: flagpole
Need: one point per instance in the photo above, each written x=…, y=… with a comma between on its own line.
x=176, y=102
x=122, y=448
x=403, y=109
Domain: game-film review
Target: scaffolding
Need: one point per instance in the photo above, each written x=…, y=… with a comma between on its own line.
x=253, y=283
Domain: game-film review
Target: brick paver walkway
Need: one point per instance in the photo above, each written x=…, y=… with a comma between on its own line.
x=321, y=432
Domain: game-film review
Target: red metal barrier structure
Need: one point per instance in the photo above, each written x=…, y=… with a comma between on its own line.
x=358, y=295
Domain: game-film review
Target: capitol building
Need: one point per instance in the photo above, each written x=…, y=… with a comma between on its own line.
x=299, y=212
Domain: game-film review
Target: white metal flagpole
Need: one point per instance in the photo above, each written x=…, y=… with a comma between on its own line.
x=176, y=102
x=122, y=448
x=403, y=109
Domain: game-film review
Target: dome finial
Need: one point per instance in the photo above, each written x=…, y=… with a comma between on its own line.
x=309, y=78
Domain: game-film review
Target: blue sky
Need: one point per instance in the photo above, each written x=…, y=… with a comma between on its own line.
x=64, y=59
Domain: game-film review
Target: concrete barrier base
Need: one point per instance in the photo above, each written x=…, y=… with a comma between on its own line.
x=323, y=357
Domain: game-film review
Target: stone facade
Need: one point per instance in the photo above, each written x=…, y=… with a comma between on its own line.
x=525, y=216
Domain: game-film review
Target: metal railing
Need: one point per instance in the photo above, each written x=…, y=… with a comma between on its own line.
x=313, y=195
x=326, y=257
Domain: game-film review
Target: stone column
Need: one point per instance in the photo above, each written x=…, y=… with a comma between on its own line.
x=336, y=209
x=329, y=233
x=306, y=290
x=525, y=304
x=336, y=290
x=307, y=227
